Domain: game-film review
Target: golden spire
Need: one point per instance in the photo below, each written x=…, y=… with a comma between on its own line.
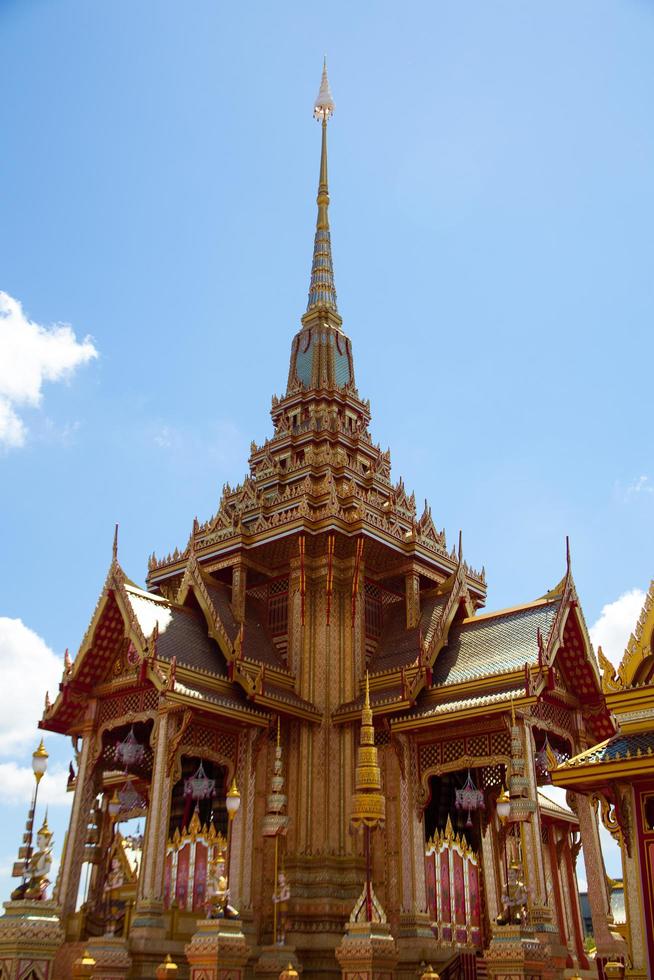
x=322, y=292
x=368, y=803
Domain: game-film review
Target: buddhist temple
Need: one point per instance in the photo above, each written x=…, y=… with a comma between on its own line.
x=339, y=758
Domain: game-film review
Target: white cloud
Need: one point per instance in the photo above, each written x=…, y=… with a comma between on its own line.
x=28, y=668
x=18, y=785
x=31, y=354
x=616, y=623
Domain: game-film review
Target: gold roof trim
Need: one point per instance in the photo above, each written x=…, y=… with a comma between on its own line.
x=638, y=648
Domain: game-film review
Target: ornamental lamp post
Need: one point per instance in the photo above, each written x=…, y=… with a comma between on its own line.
x=39, y=768
x=113, y=808
x=39, y=762
x=232, y=802
x=503, y=805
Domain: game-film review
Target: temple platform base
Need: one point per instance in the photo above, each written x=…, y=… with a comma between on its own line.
x=112, y=960
x=514, y=953
x=416, y=944
x=218, y=950
x=148, y=943
x=273, y=960
x=30, y=935
x=367, y=952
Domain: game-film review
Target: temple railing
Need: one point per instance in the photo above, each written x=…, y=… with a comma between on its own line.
x=453, y=881
x=190, y=854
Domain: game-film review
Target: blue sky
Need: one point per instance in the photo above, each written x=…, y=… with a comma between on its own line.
x=492, y=204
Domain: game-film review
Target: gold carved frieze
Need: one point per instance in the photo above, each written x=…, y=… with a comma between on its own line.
x=203, y=741
x=448, y=754
x=127, y=708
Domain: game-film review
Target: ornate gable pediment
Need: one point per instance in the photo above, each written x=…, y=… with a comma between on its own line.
x=640, y=648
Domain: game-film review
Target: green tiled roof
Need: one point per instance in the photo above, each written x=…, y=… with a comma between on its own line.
x=495, y=644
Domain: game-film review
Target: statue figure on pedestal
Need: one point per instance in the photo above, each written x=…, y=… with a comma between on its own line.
x=36, y=874
x=281, y=898
x=217, y=903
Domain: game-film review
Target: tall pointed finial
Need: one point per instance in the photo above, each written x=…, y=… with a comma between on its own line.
x=567, y=554
x=115, y=545
x=324, y=106
x=460, y=546
x=322, y=292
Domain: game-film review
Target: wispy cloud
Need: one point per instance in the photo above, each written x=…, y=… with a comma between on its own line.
x=641, y=486
x=615, y=624
x=30, y=355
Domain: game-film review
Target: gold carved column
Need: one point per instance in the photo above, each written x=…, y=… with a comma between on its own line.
x=73, y=853
x=240, y=869
x=415, y=940
x=492, y=854
x=148, y=916
x=609, y=943
x=412, y=599
x=239, y=582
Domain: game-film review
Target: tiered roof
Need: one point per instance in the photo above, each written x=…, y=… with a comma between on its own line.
x=321, y=475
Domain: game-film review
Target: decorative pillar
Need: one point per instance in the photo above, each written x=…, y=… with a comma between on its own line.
x=535, y=837
x=239, y=580
x=415, y=940
x=147, y=931
x=491, y=844
x=572, y=906
x=412, y=599
x=610, y=945
x=514, y=951
x=30, y=935
x=218, y=950
x=632, y=875
x=240, y=864
x=67, y=886
x=112, y=961
x=514, y=955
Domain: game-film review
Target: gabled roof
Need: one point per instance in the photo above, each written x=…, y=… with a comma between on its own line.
x=248, y=641
x=494, y=643
x=624, y=756
x=482, y=661
x=398, y=646
x=157, y=636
